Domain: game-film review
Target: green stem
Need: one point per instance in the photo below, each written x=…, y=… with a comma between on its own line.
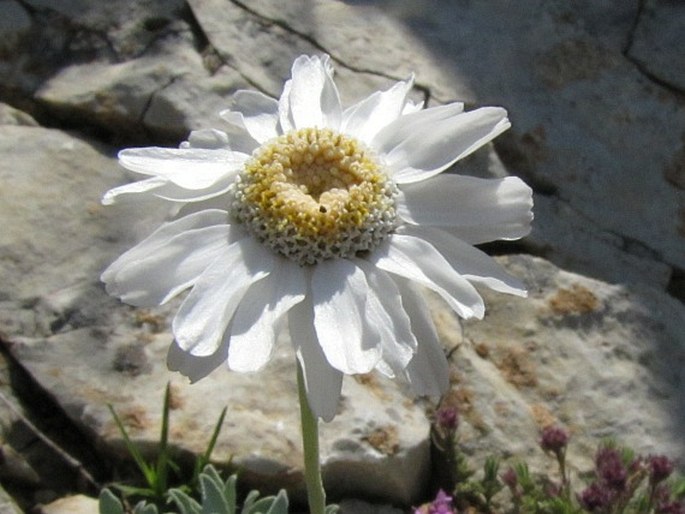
x=310, y=442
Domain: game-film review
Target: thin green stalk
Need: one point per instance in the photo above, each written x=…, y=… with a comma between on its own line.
x=310, y=442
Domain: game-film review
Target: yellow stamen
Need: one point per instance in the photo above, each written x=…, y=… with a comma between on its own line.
x=314, y=194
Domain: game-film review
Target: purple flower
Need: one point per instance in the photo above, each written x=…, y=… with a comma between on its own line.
x=610, y=468
x=673, y=507
x=595, y=497
x=441, y=505
x=510, y=479
x=554, y=439
x=447, y=418
x=660, y=468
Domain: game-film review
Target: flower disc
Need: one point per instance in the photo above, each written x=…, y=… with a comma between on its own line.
x=314, y=194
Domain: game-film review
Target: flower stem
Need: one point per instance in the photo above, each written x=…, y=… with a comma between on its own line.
x=310, y=442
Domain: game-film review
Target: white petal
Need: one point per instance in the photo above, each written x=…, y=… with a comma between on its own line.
x=239, y=139
x=473, y=264
x=193, y=366
x=260, y=316
x=210, y=139
x=133, y=190
x=310, y=98
x=284, y=115
x=474, y=209
x=417, y=260
x=339, y=291
x=171, y=268
x=411, y=107
x=161, y=236
x=166, y=190
x=404, y=127
x=322, y=382
x=365, y=119
x=201, y=321
x=433, y=147
x=428, y=371
x=191, y=168
x=256, y=112
x=174, y=193
x=385, y=311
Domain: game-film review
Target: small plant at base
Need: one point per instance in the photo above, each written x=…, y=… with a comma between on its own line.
x=156, y=475
x=217, y=497
x=624, y=483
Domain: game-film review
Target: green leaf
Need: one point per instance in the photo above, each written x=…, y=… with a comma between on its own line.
x=678, y=488
x=332, y=509
x=249, y=502
x=261, y=506
x=491, y=468
x=280, y=504
x=129, y=490
x=184, y=502
x=145, y=508
x=109, y=504
x=213, y=499
x=163, y=460
x=147, y=471
x=203, y=460
x=230, y=492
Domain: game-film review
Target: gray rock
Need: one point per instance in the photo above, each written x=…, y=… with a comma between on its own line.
x=15, y=21
x=11, y=116
x=602, y=360
x=76, y=504
x=129, y=28
x=166, y=95
x=7, y=504
x=657, y=41
x=565, y=236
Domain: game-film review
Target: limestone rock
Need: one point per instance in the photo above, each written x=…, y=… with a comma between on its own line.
x=657, y=40
x=15, y=21
x=603, y=360
x=77, y=504
x=11, y=116
x=167, y=96
x=7, y=504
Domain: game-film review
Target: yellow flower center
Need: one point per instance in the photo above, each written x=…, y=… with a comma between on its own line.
x=314, y=194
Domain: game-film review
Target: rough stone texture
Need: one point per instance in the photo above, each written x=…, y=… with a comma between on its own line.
x=603, y=360
x=151, y=94
x=77, y=504
x=595, y=94
x=7, y=504
x=11, y=116
x=658, y=35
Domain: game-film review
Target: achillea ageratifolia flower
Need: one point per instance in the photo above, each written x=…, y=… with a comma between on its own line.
x=329, y=219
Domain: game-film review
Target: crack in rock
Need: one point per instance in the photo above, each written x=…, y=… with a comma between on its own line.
x=210, y=55
x=640, y=66
x=423, y=88
x=151, y=97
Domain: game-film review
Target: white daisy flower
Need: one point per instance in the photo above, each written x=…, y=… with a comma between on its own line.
x=329, y=220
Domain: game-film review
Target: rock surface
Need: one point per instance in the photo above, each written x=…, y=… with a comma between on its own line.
x=596, y=94
x=602, y=360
